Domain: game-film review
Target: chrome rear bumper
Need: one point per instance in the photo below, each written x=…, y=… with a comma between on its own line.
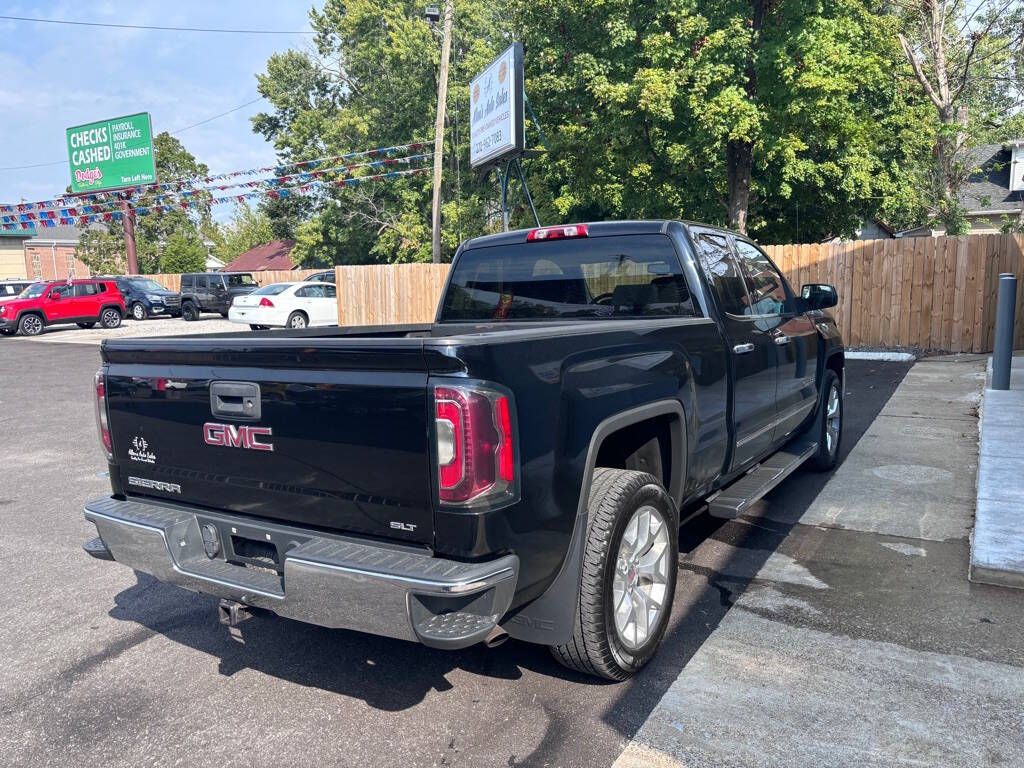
x=321, y=579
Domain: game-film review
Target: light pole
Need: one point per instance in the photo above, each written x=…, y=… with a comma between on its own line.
x=442, y=96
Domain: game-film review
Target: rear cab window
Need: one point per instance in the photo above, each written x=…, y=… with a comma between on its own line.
x=272, y=290
x=234, y=281
x=623, y=276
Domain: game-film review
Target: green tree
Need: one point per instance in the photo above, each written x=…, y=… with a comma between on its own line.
x=248, y=227
x=103, y=247
x=748, y=113
x=965, y=57
x=370, y=80
x=183, y=252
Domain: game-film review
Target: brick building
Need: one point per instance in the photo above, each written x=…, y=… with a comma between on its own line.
x=50, y=255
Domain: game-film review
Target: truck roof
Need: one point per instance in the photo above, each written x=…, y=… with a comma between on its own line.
x=596, y=229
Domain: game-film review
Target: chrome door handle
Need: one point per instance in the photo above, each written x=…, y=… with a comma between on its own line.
x=742, y=349
x=782, y=340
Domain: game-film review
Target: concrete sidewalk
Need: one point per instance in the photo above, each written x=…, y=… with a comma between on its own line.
x=997, y=545
x=859, y=641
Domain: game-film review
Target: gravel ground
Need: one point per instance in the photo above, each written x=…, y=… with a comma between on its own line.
x=157, y=326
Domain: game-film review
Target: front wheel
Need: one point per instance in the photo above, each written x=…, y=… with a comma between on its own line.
x=188, y=312
x=110, y=318
x=629, y=575
x=830, y=429
x=30, y=325
x=138, y=311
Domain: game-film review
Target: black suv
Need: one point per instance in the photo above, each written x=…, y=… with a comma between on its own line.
x=213, y=292
x=145, y=297
x=320, y=277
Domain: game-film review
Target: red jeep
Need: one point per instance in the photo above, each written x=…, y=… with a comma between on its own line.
x=83, y=302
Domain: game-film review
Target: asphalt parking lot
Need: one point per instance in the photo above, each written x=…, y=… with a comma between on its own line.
x=103, y=666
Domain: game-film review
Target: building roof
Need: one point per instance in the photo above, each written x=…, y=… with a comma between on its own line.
x=988, y=190
x=23, y=234
x=71, y=234
x=273, y=255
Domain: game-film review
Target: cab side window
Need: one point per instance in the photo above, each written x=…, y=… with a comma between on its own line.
x=722, y=271
x=764, y=283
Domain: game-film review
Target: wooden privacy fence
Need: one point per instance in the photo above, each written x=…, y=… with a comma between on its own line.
x=930, y=293
x=927, y=293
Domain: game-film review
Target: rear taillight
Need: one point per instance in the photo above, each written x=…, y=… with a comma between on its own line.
x=102, y=418
x=265, y=302
x=558, y=233
x=476, y=456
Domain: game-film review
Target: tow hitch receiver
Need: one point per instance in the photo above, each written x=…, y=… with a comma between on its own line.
x=232, y=613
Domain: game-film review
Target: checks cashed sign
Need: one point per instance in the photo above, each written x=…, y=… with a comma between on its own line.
x=111, y=154
x=496, y=109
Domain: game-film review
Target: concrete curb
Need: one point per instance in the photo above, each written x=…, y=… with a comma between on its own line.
x=886, y=357
x=997, y=541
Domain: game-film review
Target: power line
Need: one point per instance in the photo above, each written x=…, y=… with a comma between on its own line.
x=216, y=117
x=173, y=133
x=161, y=29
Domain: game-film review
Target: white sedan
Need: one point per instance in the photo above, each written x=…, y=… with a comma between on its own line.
x=286, y=305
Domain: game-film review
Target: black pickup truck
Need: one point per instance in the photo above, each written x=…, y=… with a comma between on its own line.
x=517, y=468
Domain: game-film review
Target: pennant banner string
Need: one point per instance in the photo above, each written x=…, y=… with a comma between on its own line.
x=127, y=194
x=204, y=193
x=283, y=192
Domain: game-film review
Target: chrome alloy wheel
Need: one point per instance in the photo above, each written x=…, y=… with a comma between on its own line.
x=833, y=420
x=640, y=582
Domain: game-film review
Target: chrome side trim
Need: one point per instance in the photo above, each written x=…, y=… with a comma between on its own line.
x=785, y=416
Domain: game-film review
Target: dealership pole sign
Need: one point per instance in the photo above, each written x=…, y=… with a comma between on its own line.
x=111, y=154
x=496, y=110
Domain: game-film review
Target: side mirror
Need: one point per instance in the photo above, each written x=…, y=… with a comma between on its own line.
x=818, y=296
x=55, y=295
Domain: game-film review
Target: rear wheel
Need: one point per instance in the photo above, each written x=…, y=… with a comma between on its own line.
x=138, y=311
x=110, y=318
x=30, y=325
x=629, y=575
x=85, y=325
x=830, y=432
x=189, y=312
x=298, y=320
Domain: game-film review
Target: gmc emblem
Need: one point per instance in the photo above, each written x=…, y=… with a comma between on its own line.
x=237, y=436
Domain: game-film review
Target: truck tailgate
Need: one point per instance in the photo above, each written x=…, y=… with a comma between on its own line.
x=340, y=441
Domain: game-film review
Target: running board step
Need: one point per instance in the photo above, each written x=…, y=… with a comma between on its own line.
x=734, y=500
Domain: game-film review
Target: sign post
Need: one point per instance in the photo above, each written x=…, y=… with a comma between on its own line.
x=109, y=155
x=496, y=124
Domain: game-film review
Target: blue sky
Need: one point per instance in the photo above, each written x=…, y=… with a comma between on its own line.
x=55, y=76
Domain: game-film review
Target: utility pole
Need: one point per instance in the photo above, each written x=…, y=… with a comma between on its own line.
x=129, y=238
x=442, y=96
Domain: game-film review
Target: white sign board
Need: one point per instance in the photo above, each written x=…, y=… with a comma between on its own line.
x=496, y=109
x=1017, y=168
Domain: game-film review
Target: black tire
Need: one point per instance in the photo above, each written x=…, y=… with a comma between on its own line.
x=595, y=647
x=30, y=325
x=257, y=327
x=298, y=320
x=223, y=314
x=189, y=312
x=827, y=456
x=85, y=325
x=110, y=318
x=8, y=331
x=138, y=311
